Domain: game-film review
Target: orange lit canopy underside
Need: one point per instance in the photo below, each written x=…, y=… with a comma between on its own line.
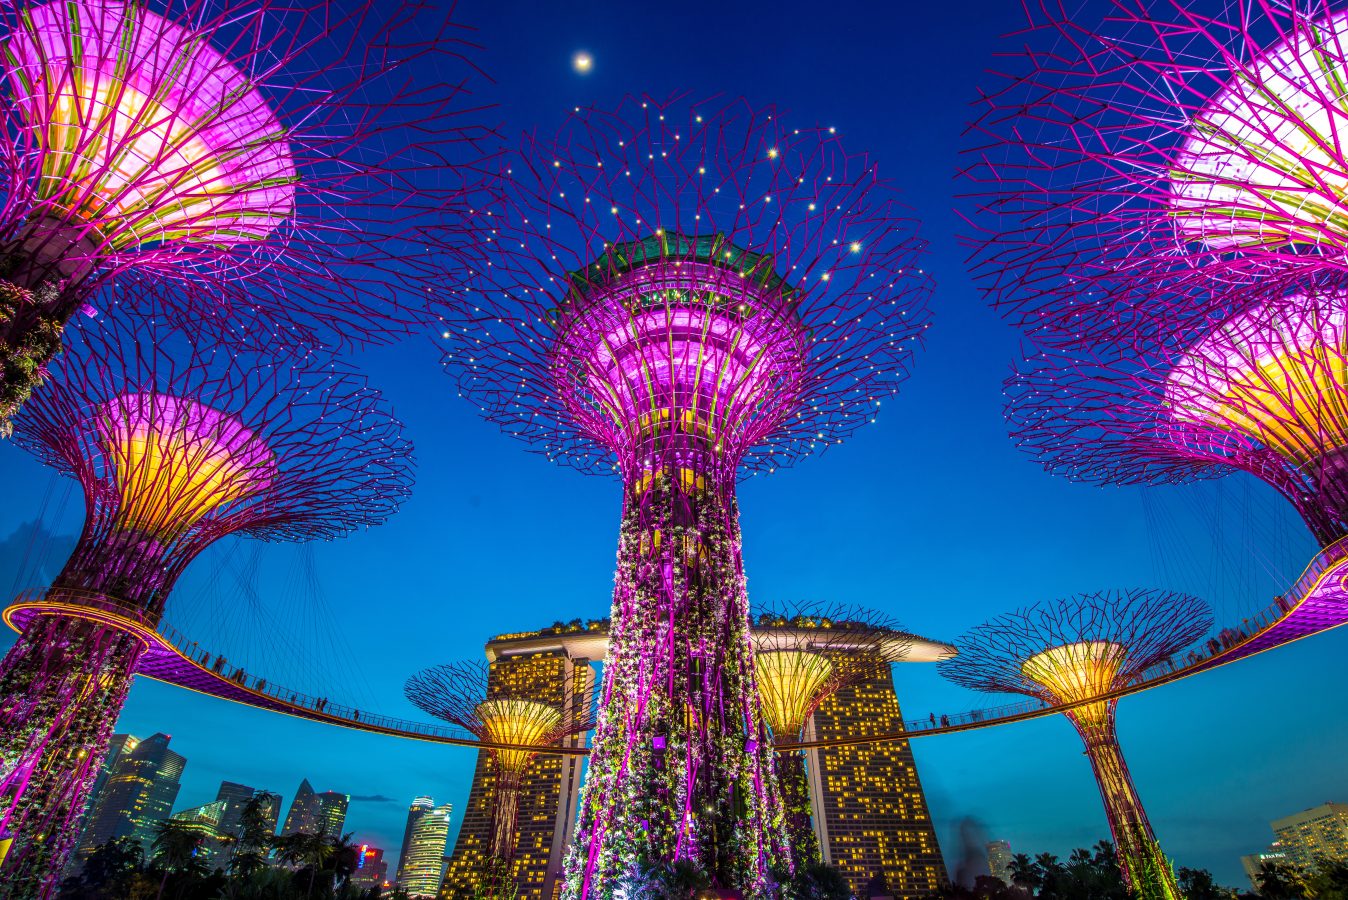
x=1077, y=671
x=176, y=460
x=1278, y=375
x=791, y=683
x=520, y=722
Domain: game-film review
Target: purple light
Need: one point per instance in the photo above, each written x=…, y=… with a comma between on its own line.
x=152, y=134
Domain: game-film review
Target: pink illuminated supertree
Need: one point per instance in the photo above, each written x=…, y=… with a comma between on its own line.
x=803, y=655
x=1264, y=391
x=1073, y=653
x=257, y=169
x=174, y=448
x=684, y=295
x=1139, y=160
x=507, y=712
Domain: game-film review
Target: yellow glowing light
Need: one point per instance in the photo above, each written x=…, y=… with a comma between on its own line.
x=1280, y=377
x=1077, y=671
x=521, y=723
x=790, y=683
x=174, y=460
x=582, y=62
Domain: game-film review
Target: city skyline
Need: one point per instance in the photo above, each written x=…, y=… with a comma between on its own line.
x=352, y=622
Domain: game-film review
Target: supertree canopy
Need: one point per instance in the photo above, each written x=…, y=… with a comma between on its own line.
x=174, y=448
x=685, y=294
x=272, y=162
x=1069, y=651
x=1138, y=159
x=1264, y=391
x=508, y=718
x=803, y=656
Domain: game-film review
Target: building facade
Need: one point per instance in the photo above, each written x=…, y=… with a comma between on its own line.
x=371, y=868
x=332, y=812
x=424, y=857
x=999, y=861
x=305, y=815
x=420, y=806
x=870, y=813
x=137, y=795
x=552, y=666
x=1319, y=833
x=206, y=820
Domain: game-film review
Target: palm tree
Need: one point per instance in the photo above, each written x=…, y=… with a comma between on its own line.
x=254, y=840
x=1025, y=874
x=305, y=849
x=344, y=853
x=175, y=848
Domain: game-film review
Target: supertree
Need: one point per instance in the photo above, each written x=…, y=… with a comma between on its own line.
x=256, y=169
x=174, y=448
x=803, y=655
x=683, y=295
x=1068, y=652
x=1139, y=158
x=1264, y=391
x=510, y=720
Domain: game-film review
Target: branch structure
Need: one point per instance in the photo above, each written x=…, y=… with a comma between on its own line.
x=803, y=655
x=501, y=713
x=684, y=294
x=1135, y=161
x=1072, y=650
x=255, y=170
x=174, y=448
x=1264, y=391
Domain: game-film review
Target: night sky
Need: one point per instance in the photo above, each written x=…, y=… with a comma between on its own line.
x=930, y=515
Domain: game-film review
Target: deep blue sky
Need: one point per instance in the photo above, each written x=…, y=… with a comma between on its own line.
x=930, y=515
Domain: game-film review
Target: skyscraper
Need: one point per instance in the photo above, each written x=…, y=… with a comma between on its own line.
x=138, y=794
x=332, y=812
x=420, y=806
x=305, y=814
x=235, y=796
x=371, y=868
x=1314, y=834
x=552, y=666
x=870, y=814
x=999, y=861
x=314, y=813
x=424, y=857
x=205, y=820
x=118, y=746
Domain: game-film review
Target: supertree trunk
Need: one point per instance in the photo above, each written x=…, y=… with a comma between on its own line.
x=1145, y=869
x=680, y=768
x=62, y=686
x=795, y=789
x=505, y=816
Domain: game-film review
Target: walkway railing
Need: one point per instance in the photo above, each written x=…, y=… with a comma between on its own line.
x=176, y=660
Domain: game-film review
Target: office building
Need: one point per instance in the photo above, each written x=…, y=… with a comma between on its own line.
x=420, y=806
x=1319, y=833
x=332, y=812
x=305, y=814
x=236, y=796
x=205, y=820
x=870, y=813
x=552, y=666
x=137, y=795
x=1255, y=862
x=999, y=861
x=371, y=869
x=424, y=856
x=314, y=813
